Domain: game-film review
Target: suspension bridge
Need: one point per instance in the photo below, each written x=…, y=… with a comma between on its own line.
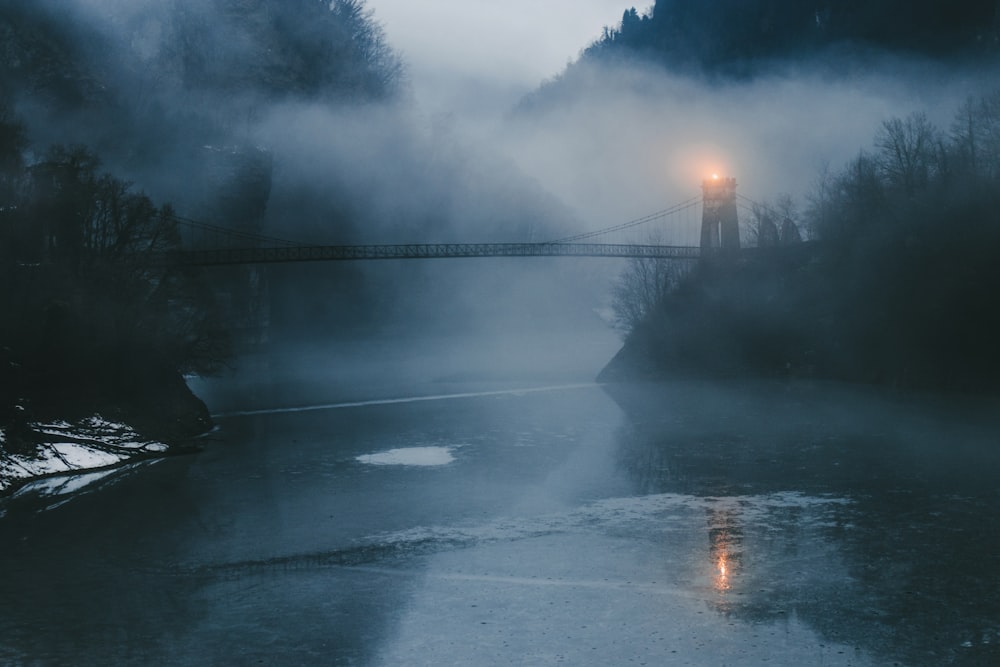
x=211, y=245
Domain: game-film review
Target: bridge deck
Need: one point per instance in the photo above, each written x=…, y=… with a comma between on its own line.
x=327, y=253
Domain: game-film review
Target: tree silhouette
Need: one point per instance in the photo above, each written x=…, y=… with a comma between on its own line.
x=897, y=290
x=736, y=36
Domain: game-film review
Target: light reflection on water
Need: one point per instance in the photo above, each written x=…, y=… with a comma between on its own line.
x=723, y=572
x=561, y=528
x=725, y=544
x=594, y=585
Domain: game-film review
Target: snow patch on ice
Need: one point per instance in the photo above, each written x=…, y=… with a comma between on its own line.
x=100, y=430
x=90, y=443
x=55, y=458
x=410, y=456
x=82, y=456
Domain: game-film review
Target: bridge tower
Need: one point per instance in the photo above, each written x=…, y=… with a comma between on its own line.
x=236, y=182
x=720, y=228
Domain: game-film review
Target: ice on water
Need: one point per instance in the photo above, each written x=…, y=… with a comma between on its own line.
x=410, y=456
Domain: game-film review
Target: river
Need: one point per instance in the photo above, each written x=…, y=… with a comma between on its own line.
x=411, y=505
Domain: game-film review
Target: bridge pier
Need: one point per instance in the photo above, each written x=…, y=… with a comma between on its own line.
x=237, y=187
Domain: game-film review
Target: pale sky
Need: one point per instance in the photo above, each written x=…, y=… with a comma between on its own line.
x=471, y=55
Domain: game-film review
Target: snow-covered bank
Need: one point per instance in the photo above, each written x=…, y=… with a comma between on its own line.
x=61, y=447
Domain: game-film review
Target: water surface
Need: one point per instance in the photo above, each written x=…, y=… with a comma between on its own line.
x=525, y=520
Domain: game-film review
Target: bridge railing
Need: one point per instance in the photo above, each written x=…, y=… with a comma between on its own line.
x=326, y=253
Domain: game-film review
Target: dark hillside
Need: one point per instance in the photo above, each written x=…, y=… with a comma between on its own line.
x=900, y=287
x=736, y=40
x=731, y=36
x=99, y=96
x=141, y=84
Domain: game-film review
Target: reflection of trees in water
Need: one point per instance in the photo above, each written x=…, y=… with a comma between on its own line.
x=902, y=571
x=129, y=575
x=647, y=465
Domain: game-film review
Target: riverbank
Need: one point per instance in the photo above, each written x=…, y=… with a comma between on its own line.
x=60, y=447
x=93, y=434
x=818, y=312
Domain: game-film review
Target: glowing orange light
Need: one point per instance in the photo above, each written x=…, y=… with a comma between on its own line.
x=722, y=582
x=715, y=177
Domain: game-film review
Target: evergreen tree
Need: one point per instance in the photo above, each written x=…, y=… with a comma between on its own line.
x=735, y=36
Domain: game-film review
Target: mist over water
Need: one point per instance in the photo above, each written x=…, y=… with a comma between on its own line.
x=513, y=525
x=413, y=463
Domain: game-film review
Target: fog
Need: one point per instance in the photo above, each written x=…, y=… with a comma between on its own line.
x=408, y=451
x=640, y=140
x=602, y=139
x=473, y=146
x=477, y=59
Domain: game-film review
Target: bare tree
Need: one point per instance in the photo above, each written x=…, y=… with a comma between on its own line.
x=908, y=152
x=769, y=222
x=642, y=287
x=975, y=135
x=820, y=208
x=98, y=240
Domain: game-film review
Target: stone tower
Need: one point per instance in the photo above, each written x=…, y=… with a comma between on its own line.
x=720, y=229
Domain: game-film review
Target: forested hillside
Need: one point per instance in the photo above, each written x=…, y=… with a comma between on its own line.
x=737, y=36
x=137, y=81
x=97, y=96
x=282, y=117
x=92, y=321
x=77, y=52
x=898, y=287
x=737, y=40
